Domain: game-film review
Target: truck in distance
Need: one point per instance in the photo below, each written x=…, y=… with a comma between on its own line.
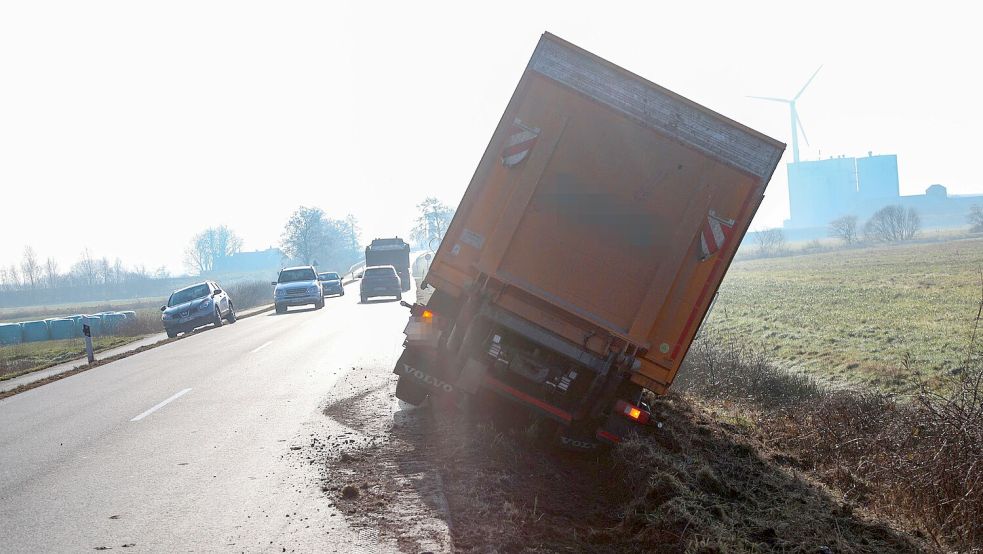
x=587, y=248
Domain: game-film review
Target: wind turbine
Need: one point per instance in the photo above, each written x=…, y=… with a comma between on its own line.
x=796, y=122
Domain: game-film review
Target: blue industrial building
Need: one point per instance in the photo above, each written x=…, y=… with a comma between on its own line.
x=820, y=191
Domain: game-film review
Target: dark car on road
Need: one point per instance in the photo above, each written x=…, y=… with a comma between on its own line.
x=380, y=280
x=331, y=283
x=196, y=306
x=297, y=286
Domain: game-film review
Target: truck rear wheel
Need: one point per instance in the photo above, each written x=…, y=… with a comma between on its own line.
x=410, y=391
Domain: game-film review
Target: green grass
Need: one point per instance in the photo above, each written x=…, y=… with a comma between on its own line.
x=854, y=315
x=18, y=359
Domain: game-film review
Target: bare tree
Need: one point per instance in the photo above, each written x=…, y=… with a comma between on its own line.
x=892, y=224
x=209, y=246
x=13, y=277
x=433, y=221
x=118, y=271
x=844, y=228
x=771, y=242
x=85, y=270
x=30, y=268
x=975, y=219
x=162, y=273
x=51, y=273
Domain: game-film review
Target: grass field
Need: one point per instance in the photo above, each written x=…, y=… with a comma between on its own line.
x=18, y=359
x=856, y=315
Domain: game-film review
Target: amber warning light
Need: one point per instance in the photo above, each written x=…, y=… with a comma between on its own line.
x=632, y=412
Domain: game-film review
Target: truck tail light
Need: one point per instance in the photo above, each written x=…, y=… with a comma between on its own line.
x=632, y=412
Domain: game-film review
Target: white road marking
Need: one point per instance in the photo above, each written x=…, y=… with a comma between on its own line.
x=161, y=405
x=264, y=345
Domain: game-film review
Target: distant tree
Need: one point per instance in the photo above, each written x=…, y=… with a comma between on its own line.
x=30, y=268
x=13, y=277
x=162, y=273
x=306, y=235
x=85, y=271
x=51, y=273
x=771, y=242
x=5, y=283
x=976, y=219
x=844, y=228
x=432, y=222
x=104, y=270
x=210, y=246
x=352, y=233
x=892, y=224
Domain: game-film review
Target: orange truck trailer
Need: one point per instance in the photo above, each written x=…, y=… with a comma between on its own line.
x=587, y=248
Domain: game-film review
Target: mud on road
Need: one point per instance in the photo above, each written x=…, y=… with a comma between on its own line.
x=437, y=479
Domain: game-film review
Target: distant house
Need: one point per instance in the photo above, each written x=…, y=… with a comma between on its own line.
x=271, y=259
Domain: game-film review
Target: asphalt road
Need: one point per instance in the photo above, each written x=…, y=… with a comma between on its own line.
x=198, y=445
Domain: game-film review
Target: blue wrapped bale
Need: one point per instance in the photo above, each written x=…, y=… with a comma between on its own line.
x=94, y=322
x=61, y=329
x=111, y=323
x=35, y=331
x=11, y=333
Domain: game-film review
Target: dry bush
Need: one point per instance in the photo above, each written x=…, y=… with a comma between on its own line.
x=892, y=224
x=249, y=294
x=918, y=461
x=726, y=370
x=144, y=323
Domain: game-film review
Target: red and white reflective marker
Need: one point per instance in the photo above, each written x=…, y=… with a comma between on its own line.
x=521, y=140
x=714, y=234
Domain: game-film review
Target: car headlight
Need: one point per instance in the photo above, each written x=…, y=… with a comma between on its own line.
x=204, y=305
x=166, y=316
x=277, y=292
x=312, y=290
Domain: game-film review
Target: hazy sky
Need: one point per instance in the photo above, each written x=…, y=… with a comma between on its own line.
x=127, y=127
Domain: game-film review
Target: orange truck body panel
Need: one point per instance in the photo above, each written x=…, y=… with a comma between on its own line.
x=606, y=209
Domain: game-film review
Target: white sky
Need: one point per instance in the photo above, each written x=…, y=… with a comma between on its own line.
x=127, y=127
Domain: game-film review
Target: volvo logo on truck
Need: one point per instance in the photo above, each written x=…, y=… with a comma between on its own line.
x=428, y=379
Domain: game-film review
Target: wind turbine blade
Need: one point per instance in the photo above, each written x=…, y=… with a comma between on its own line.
x=807, y=84
x=783, y=100
x=801, y=128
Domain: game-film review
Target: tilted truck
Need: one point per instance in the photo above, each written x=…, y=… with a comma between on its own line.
x=587, y=248
x=395, y=252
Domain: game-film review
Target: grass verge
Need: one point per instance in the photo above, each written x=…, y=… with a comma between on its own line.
x=853, y=315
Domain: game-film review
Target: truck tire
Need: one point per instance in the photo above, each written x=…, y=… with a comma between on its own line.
x=171, y=334
x=318, y=305
x=409, y=391
x=231, y=316
x=280, y=308
x=217, y=319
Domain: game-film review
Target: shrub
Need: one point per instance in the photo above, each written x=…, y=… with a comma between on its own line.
x=249, y=294
x=892, y=224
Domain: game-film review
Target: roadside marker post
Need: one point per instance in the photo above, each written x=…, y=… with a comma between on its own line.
x=88, y=343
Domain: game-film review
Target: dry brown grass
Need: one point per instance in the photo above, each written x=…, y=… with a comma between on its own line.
x=915, y=460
